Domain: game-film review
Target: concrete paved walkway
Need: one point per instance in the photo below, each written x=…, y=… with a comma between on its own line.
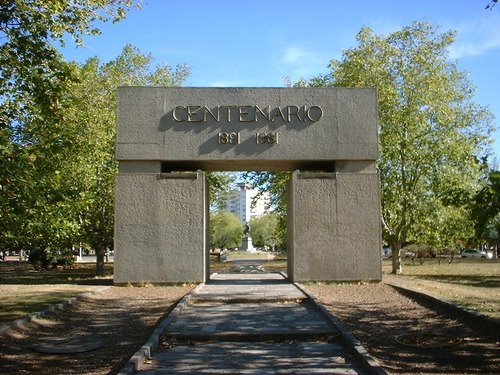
x=250, y=324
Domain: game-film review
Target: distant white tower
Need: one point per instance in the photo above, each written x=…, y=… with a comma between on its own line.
x=240, y=204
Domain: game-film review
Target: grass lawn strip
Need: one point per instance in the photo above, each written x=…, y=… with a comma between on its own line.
x=471, y=284
x=23, y=273
x=485, y=301
x=19, y=301
x=25, y=290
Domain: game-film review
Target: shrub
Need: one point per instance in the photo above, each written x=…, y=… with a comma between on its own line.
x=43, y=259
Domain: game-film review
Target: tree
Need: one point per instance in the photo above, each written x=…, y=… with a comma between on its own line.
x=486, y=212
x=275, y=184
x=220, y=189
x=491, y=4
x=63, y=192
x=226, y=230
x=91, y=113
x=264, y=230
x=431, y=132
x=36, y=209
x=33, y=73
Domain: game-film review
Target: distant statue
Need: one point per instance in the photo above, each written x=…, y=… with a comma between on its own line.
x=246, y=230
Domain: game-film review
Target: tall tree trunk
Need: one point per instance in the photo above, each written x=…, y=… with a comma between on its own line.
x=100, y=252
x=397, y=266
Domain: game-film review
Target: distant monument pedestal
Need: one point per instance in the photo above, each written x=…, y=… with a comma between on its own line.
x=246, y=244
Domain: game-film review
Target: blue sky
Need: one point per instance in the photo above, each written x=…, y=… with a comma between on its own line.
x=260, y=42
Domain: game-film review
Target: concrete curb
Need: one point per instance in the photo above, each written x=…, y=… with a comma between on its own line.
x=367, y=361
x=147, y=349
x=21, y=322
x=429, y=301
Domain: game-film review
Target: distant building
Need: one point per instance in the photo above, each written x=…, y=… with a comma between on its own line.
x=240, y=202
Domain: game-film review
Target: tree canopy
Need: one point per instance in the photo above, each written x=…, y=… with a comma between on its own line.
x=491, y=4
x=226, y=230
x=486, y=211
x=36, y=201
x=34, y=75
x=57, y=126
x=91, y=114
x=432, y=133
x=62, y=193
x=220, y=189
x=264, y=231
x=275, y=184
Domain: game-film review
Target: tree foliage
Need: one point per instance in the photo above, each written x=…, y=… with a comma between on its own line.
x=491, y=4
x=264, y=230
x=486, y=211
x=37, y=207
x=91, y=113
x=220, y=189
x=432, y=134
x=226, y=230
x=66, y=197
x=33, y=73
x=275, y=184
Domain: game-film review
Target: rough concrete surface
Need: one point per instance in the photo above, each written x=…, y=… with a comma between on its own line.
x=146, y=129
x=334, y=227
x=160, y=228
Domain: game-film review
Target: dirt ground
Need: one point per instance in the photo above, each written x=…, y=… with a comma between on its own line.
x=390, y=322
x=124, y=317
x=378, y=314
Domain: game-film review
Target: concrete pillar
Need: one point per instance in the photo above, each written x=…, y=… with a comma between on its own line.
x=334, y=225
x=161, y=225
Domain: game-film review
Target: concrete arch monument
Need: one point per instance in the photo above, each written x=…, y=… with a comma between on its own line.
x=167, y=137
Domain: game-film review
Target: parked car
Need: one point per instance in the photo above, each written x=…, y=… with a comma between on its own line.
x=406, y=254
x=386, y=252
x=473, y=253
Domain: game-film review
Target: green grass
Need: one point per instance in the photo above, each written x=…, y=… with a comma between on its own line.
x=216, y=266
x=472, y=284
x=479, y=273
x=20, y=301
x=238, y=254
x=25, y=290
x=80, y=273
x=278, y=264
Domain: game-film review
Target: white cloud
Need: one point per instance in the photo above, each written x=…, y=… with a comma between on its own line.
x=299, y=62
x=223, y=83
x=476, y=38
x=295, y=55
x=470, y=48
